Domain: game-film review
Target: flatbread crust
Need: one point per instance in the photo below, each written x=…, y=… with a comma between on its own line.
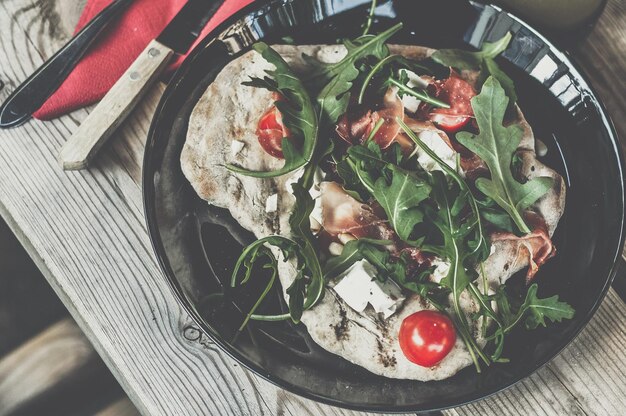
x=229, y=111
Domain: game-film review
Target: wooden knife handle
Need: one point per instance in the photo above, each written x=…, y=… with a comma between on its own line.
x=114, y=107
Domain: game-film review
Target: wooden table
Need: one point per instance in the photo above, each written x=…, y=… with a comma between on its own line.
x=86, y=232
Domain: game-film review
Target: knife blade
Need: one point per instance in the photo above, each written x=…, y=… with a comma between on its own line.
x=176, y=39
x=32, y=93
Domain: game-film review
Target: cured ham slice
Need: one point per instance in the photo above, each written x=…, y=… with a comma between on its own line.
x=342, y=214
x=537, y=246
x=356, y=126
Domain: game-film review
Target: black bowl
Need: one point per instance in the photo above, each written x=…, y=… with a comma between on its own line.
x=197, y=244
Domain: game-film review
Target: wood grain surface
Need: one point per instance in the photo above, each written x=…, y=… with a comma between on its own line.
x=38, y=366
x=86, y=232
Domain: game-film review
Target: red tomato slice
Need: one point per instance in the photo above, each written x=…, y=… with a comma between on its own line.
x=271, y=131
x=458, y=93
x=426, y=337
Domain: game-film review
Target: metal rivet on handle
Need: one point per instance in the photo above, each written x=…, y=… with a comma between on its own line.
x=154, y=52
x=134, y=76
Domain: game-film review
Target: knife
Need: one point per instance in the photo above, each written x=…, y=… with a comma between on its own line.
x=32, y=93
x=176, y=38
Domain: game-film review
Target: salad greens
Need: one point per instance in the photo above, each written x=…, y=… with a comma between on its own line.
x=496, y=145
x=335, y=80
x=382, y=75
x=296, y=109
x=440, y=212
x=483, y=60
x=456, y=248
x=400, y=198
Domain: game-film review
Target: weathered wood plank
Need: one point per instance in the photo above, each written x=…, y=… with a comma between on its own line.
x=86, y=232
x=43, y=363
x=123, y=407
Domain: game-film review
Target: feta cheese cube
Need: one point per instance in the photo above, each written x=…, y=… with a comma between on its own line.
x=358, y=287
x=441, y=269
x=432, y=139
x=236, y=147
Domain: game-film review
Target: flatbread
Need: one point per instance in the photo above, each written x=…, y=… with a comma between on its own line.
x=230, y=111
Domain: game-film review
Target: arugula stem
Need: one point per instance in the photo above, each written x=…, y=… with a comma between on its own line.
x=271, y=318
x=373, y=72
x=519, y=221
x=260, y=299
x=370, y=18
x=377, y=126
x=471, y=348
x=421, y=94
x=357, y=170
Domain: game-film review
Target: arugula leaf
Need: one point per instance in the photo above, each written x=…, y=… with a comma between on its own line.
x=297, y=112
x=253, y=253
x=307, y=287
x=273, y=265
x=482, y=60
x=258, y=249
x=481, y=245
x=335, y=80
x=537, y=310
x=393, y=62
x=446, y=218
x=401, y=198
x=534, y=309
x=404, y=89
x=398, y=191
x=301, y=232
x=496, y=144
x=353, y=251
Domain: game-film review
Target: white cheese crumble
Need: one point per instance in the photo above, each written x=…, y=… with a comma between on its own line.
x=432, y=139
x=317, y=216
x=441, y=269
x=331, y=54
x=236, y=147
x=271, y=203
x=335, y=248
x=358, y=287
x=345, y=238
x=412, y=103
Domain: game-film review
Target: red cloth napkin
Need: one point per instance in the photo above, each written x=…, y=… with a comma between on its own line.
x=111, y=55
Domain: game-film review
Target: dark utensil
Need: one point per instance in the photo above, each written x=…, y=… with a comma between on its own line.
x=33, y=93
x=177, y=37
x=197, y=245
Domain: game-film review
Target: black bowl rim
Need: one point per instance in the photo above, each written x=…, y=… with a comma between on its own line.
x=150, y=214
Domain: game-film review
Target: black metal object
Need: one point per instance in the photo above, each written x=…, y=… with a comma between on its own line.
x=185, y=27
x=32, y=93
x=196, y=244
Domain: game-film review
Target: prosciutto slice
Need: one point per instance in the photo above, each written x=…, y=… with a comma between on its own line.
x=357, y=125
x=537, y=246
x=342, y=214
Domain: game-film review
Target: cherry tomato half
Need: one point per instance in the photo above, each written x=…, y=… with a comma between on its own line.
x=426, y=337
x=271, y=131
